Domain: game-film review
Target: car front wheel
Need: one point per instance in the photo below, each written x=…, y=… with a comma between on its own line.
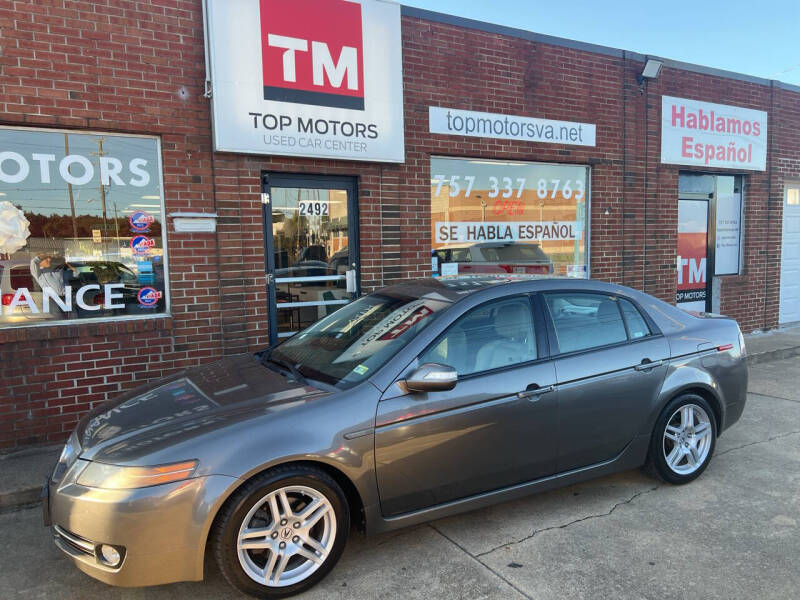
x=683, y=440
x=282, y=532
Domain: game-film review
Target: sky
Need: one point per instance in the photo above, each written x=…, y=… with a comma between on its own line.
x=750, y=37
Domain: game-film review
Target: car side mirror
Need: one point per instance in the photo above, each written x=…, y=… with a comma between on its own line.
x=432, y=377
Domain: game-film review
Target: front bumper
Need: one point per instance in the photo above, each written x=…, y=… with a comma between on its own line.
x=162, y=529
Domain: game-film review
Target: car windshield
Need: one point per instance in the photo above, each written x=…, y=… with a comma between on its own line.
x=358, y=339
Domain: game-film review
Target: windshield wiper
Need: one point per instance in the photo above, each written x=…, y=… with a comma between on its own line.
x=287, y=366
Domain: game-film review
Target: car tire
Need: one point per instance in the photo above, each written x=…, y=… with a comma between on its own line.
x=277, y=560
x=683, y=440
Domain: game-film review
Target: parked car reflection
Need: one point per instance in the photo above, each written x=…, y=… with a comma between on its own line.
x=497, y=257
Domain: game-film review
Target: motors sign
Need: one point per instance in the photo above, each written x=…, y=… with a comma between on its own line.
x=712, y=135
x=312, y=78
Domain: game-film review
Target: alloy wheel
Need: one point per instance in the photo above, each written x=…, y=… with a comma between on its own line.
x=286, y=536
x=687, y=439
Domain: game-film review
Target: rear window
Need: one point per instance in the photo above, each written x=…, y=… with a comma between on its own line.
x=514, y=252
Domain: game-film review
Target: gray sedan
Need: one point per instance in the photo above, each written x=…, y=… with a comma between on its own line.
x=416, y=402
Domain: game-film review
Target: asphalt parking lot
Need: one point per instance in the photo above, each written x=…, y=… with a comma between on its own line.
x=733, y=533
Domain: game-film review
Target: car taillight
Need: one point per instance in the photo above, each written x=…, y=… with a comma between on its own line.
x=7, y=298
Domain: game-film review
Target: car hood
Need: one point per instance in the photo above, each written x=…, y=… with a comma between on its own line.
x=187, y=404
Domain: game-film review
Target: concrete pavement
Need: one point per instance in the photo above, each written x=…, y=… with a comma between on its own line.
x=733, y=533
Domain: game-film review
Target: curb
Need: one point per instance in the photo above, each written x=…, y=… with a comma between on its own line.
x=20, y=498
x=30, y=496
x=770, y=355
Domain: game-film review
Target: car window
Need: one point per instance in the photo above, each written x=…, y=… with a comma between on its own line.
x=520, y=252
x=461, y=255
x=493, y=335
x=585, y=320
x=637, y=326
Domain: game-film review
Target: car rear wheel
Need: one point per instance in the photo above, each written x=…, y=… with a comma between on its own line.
x=683, y=440
x=282, y=532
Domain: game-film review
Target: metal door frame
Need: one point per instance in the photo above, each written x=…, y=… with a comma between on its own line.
x=328, y=182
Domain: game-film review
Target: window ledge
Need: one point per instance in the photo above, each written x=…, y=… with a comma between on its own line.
x=85, y=328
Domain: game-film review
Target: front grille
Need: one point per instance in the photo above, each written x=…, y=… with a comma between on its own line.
x=76, y=542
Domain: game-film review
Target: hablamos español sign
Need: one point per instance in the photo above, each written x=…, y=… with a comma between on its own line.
x=319, y=78
x=712, y=135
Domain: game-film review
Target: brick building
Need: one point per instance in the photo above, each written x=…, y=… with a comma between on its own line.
x=179, y=280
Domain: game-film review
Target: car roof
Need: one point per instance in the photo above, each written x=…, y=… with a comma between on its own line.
x=456, y=287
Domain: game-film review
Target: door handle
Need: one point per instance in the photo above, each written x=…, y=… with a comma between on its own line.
x=533, y=393
x=647, y=364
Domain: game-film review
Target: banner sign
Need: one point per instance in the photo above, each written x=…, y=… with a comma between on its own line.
x=712, y=135
x=692, y=253
x=311, y=78
x=506, y=231
x=507, y=127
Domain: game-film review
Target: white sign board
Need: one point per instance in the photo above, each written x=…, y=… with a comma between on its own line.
x=712, y=135
x=729, y=222
x=507, y=127
x=505, y=231
x=311, y=78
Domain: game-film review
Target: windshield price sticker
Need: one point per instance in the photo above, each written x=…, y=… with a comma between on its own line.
x=314, y=208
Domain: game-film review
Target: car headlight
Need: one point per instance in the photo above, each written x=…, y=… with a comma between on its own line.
x=115, y=477
x=69, y=454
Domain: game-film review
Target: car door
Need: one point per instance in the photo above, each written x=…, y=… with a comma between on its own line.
x=610, y=363
x=495, y=428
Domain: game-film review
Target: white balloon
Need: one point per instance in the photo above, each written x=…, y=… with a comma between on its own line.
x=14, y=231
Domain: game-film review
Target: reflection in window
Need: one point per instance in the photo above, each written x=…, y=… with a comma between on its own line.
x=82, y=222
x=311, y=252
x=508, y=217
x=793, y=196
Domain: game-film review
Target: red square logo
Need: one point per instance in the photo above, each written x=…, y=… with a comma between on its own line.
x=312, y=52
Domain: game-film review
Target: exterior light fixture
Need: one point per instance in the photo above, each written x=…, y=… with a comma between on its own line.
x=652, y=69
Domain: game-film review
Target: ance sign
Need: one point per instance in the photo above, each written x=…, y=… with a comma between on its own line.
x=312, y=78
x=712, y=135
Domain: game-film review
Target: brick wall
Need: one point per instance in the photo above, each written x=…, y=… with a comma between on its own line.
x=136, y=66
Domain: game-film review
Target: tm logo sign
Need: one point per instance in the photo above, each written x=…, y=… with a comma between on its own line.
x=312, y=52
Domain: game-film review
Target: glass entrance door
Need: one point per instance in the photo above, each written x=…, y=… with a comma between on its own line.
x=311, y=248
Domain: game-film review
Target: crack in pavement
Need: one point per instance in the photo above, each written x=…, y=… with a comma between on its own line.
x=480, y=562
x=774, y=397
x=565, y=525
x=773, y=438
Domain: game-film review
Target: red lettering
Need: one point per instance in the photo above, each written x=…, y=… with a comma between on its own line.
x=703, y=120
x=686, y=147
x=678, y=115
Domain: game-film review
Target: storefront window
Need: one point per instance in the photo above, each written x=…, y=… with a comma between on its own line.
x=508, y=217
x=81, y=227
x=709, y=235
